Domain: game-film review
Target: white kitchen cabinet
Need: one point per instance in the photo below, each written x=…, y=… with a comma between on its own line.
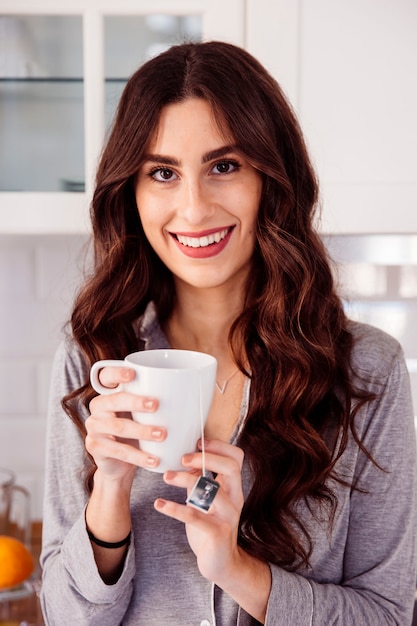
x=348, y=67
x=56, y=199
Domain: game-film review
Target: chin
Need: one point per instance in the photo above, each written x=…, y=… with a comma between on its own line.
x=202, y=282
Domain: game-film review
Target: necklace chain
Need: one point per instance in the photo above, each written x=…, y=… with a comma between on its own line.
x=222, y=388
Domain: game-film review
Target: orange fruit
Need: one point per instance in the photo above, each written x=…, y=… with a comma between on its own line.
x=16, y=562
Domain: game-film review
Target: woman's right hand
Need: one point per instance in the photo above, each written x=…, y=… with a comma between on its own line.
x=113, y=441
x=112, y=435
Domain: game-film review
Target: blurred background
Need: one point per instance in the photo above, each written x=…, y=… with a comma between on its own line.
x=349, y=68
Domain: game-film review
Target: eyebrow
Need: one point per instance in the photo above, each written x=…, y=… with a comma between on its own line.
x=207, y=156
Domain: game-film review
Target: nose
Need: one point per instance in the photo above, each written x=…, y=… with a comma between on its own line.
x=195, y=204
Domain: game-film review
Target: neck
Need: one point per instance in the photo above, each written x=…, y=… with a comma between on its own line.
x=201, y=321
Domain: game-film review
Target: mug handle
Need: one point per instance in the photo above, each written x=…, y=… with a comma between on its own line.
x=94, y=375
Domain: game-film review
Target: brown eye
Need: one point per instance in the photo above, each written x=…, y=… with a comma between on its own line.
x=225, y=167
x=165, y=174
x=162, y=174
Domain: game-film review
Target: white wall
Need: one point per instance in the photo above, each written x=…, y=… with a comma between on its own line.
x=349, y=67
x=38, y=277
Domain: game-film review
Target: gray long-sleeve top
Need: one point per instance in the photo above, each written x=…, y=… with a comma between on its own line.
x=363, y=570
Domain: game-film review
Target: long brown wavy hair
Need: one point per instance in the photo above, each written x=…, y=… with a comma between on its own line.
x=292, y=336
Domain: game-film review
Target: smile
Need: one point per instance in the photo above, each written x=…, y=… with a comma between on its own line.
x=203, y=242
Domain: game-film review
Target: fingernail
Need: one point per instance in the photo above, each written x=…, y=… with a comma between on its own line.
x=156, y=433
x=170, y=475
x=159, y=504
x=187, y=458
x=126, y=374
x=151, y=461
x=149, y=403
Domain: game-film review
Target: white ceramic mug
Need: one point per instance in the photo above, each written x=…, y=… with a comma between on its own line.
x=183, y=382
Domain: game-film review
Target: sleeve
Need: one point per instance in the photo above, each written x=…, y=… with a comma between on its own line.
x=378, y=573
x=71, y=584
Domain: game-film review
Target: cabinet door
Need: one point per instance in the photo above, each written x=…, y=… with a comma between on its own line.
x=349, y=68
x=54, y=112
x=41, y=103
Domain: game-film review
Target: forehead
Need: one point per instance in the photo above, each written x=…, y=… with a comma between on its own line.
x=190, y=119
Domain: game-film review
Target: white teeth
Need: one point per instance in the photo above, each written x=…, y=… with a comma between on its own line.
x=202, y=242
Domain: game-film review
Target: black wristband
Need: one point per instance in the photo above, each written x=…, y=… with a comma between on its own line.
x=106, y=544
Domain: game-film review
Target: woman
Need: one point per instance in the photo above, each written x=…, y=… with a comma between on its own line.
x=202, y=222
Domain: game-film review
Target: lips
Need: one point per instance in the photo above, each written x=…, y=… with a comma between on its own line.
x=203, y=244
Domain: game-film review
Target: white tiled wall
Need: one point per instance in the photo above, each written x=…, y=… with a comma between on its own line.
x=38, y=278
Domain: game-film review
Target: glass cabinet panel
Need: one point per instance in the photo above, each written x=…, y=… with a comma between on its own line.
x=42, y=133
x=130, y=40
x=41, y=103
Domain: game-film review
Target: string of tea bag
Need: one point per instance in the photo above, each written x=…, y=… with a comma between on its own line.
x=203, y=445
x=205, y=489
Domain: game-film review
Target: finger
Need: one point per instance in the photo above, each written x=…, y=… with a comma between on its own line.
x=123, y=428
x=186, y=514
x=113, y=376
x=229, y=466
x=186, y=480
x=194, y=517
x=107, y=447
x=122, y=401
x=223, y=449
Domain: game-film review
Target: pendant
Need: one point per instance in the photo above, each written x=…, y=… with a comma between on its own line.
x=222, y=389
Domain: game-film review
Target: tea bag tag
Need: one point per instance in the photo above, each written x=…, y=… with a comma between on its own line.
x=203, y=493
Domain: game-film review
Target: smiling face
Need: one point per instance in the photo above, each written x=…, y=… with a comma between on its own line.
x=198, y=198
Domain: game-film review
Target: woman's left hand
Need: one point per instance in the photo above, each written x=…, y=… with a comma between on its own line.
x=212, y=536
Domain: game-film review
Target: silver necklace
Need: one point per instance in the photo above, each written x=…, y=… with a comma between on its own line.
x=222, y=388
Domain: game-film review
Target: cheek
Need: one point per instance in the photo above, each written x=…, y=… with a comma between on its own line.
x=148, y=213
x=251, y=213
x=152, y=209
x=153, y=227
x=146, y=218
x=253, y=199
